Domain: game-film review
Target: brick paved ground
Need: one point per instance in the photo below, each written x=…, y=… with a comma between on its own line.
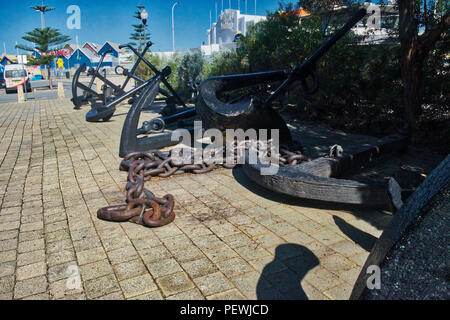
x=230, y=240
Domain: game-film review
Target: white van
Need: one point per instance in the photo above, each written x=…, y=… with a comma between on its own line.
x=16, y=75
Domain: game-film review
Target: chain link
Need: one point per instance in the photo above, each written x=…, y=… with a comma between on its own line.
x=143, y=207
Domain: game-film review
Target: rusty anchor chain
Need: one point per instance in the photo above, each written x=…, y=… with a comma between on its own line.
x=143, y=207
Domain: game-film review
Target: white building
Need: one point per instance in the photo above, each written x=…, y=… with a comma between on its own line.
x=222, y=33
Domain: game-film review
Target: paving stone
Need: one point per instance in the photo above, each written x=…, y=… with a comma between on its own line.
x=129, y=269
x=227, y=295
x=31, y=235
x=6, y=284
x=253, y=230
x=175, y=283
x=309, y=227
x=195, y=230
x=57, y=236
x=163, y=267
x=31, y=271
x=336, y=263
x=146, y=243
x=322, y=279
x=268, y=265
x=268, y=240
x=247, y=283
x=155, y=295
x=61, y=290
x=234, y=267
x=237, y=240
x=298, y=237
x=122, y=255
x=224, y=229
x=91, y=255
x=341, y=292
x=60, y=257
x=6, y=256
x=101, y=286
x=179, y=241
x=252, y=252
x=61, y=271
x=37, y=297
x=187, y=253
x=30, y=257
x=167, y=231
x=312, y=293
x=7, y=245
x=240, y=220
x=137, y=286
x=350, y=276
x=347, y=248
x=59, y=246
x=24, y=227
x=327, y=237
x=6, y=226
x=199, y=268
x=213, y=283
x=207, y=241
x=87, y=243
x=7, y=268
x=282, y=228
x=32, y=245
x=6, y=235
x=360, y=259
x=220, y=253
x=84, y=233
x=116, y=243
x=6, y=296
x=112, y=296
x=154, y=254
x=95, y=270
x=30, y=287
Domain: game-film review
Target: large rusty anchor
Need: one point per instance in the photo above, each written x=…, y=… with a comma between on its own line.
x=320, y=179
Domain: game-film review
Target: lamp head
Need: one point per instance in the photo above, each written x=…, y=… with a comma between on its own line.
x=144, y=16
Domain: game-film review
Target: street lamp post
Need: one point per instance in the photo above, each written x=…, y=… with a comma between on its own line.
x=144, y=17
x=173, y=27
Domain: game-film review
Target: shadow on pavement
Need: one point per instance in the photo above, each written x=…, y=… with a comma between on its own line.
x=372, y=216
x=361, y=238
x=286, y=283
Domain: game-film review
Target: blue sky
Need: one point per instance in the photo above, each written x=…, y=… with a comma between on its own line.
x=111, y=20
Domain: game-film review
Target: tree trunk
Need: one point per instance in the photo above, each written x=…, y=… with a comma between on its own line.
x=414, y=49
x=50, y=83
x=412, y=76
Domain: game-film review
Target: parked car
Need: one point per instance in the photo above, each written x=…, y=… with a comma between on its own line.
x=16, y=75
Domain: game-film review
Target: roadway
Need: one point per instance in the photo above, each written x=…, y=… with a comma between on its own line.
x=39, y=92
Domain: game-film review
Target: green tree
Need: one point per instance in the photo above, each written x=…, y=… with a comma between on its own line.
x=190, y=71
x=45, y=41
x=140, y=34
x=416, y=16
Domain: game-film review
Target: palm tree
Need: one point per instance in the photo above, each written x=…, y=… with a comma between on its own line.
x=45, y=40
x=42, y=9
